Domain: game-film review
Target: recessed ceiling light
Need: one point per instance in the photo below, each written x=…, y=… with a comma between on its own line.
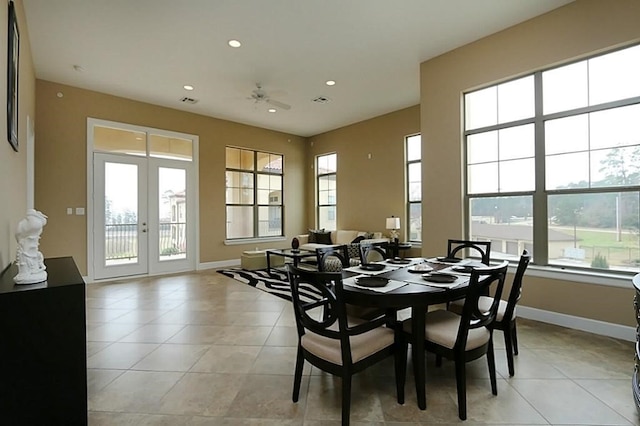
x=234, y=43
x=271, y=110
x=188, y=87
x=330, y=83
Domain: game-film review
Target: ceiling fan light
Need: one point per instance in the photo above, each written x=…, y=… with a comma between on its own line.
x=330, y=83
x=188, y=87
x=234, y=43
x=271, y=110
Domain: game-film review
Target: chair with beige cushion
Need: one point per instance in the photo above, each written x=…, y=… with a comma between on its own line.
x=336, y=343
x=469, y=336
x=506, y=316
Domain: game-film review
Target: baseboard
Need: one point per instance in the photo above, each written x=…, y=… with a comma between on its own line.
x=220, y=264
x=578, y=323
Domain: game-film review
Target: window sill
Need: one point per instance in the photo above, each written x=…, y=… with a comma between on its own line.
x=597, y=278
x=253, y=241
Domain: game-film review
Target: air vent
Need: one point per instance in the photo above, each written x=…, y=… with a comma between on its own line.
x=188, y=100
x=321, y=100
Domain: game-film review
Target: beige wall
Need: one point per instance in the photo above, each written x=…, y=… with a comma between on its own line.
x=368, y=189
x=61, y=177
x=13, y=165
x=574, y=31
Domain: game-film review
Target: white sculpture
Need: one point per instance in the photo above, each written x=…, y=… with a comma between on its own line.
x=30, y=261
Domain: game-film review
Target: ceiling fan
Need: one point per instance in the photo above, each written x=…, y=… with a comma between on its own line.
x=259, y=95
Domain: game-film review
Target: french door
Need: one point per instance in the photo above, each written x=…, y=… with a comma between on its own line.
x=143, y=219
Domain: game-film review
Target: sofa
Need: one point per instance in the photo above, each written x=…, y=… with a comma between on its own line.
x=352, y=239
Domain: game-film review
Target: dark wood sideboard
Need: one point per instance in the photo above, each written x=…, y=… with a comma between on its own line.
x=43, y=361
x=635, y=383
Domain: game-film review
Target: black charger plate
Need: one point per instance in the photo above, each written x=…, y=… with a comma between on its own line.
x=372, y=281
x=372, y=267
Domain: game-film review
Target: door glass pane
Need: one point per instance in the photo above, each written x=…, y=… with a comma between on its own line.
x=170, y=147
x=119, y=141
x=121, y=213
x=172, y=213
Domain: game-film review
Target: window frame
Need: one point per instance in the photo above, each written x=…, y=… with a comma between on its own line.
x=540, y=194
x=318, y=197
x=256, y=205
x=410, y=203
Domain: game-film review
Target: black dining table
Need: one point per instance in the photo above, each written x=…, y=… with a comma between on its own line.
x=415, y=296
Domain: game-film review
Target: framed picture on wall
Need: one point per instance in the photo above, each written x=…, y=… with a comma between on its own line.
x=12, y=78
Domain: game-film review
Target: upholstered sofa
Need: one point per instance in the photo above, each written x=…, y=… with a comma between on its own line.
x=352, y=239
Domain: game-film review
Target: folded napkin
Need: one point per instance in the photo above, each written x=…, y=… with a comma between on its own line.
x=358, y=270
x=391, y=285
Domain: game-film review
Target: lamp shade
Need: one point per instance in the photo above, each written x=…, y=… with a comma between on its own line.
x=393, y=223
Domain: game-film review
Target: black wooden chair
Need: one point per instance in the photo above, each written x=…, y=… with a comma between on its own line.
x=336, y=343
x=506, y=316
x=332, y=258
x=483, y=248
x=466, y=337
x=373, y=252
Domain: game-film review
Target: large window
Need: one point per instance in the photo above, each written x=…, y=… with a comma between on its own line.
x=253, y=193
x=414, y=187
x=553, y=164
x=326, y=168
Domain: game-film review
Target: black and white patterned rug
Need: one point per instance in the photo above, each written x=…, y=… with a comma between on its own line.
x=275, y=283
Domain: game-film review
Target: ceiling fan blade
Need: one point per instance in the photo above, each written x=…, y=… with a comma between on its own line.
x=278, y=104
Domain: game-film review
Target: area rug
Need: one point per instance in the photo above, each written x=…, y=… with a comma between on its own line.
x=275, y=283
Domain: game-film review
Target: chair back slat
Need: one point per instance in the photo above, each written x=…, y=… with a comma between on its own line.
x=483, y=248
x=379, y=250
x=516, y=287
x=481, y=282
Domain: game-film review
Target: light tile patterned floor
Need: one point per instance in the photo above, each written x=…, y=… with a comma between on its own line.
x=203, y=349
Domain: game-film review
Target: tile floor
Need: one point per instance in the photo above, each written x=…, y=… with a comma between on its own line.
x=203, y=349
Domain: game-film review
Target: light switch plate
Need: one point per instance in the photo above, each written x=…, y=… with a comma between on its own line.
x=69, y=210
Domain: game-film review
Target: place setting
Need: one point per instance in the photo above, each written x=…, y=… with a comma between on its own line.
x=373, y=283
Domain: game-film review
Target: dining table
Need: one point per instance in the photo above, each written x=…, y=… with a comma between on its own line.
x=407, y=288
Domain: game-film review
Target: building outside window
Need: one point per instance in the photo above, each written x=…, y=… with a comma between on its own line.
x=254, y=188
x=413, y=149
x=553, y=164
x=326, y=171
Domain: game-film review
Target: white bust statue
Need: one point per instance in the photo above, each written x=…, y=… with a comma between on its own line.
x=30, y=261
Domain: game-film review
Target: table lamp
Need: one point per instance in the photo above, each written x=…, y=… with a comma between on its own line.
x=393, y=223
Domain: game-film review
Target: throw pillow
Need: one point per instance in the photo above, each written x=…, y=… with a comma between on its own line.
x=313, y=235
x=357, y=239
x=323, y=238
x=353, y=250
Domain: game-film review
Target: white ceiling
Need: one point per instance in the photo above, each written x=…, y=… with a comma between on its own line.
x=148, y=49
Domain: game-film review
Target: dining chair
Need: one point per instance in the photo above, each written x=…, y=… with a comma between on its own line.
x=483, y=248
x=506, y=316
x=332, y=258
x=336, y=343
x=373, y=252
x=469, y=336
x=335, y=259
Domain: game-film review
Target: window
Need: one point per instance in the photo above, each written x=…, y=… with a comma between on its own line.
x=414, y=187
x=253, y=193
x=553, y=164
x=326, y=168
